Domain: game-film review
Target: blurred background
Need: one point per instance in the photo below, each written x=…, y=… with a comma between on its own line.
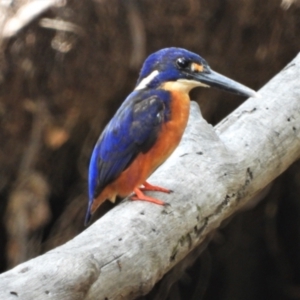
x=65, y=67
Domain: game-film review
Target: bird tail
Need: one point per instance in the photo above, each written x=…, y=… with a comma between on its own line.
x=88, y=214
x=107, y=193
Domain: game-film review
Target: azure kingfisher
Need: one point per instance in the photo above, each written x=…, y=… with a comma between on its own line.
x=149, y=125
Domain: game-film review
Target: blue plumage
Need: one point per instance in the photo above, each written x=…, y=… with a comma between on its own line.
x=165, y=62
x=133, y=129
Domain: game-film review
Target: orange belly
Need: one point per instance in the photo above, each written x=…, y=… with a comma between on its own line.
x=146, y=163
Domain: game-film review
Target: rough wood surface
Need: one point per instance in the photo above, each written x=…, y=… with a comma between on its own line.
x=213, y=173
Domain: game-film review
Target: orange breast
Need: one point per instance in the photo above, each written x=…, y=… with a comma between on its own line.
x=168, y=139
x=146, y=163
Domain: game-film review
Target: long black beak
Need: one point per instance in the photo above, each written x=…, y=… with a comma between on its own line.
x=216, y=80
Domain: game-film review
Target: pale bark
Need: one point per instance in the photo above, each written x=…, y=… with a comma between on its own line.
x=214, y=172
x=12, y=22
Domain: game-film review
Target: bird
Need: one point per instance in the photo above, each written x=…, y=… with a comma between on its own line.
x=149, y=125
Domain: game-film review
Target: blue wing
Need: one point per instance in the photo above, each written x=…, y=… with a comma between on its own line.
x=132, y=130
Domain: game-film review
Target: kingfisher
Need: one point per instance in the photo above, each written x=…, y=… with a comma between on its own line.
x=149, y=125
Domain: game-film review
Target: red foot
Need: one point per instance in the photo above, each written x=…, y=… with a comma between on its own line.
x=150, y=187
x=142, y=197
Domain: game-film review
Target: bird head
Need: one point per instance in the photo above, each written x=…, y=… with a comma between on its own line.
x=184, y=70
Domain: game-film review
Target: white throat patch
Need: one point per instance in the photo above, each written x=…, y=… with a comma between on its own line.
x=143, y=84
x=183, y=85
x=192, y=83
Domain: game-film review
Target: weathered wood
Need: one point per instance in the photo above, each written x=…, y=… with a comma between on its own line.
x=26, y=13
x=124, y=253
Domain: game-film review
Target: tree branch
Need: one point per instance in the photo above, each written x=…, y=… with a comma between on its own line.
x=128, y=250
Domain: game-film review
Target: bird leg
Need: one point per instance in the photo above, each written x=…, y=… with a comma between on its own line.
x=142, y=197
x=150, y=187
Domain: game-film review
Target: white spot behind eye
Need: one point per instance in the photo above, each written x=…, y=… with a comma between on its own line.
x=143, y=84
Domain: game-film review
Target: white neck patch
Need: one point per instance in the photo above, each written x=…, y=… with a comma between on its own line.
x=143, y=84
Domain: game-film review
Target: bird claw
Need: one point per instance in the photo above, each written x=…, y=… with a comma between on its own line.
x=142, y=197
x=155, y=188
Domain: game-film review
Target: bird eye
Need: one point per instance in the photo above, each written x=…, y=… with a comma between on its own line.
x=182, y=63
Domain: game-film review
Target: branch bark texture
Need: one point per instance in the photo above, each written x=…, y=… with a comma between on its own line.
x=214, y=172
